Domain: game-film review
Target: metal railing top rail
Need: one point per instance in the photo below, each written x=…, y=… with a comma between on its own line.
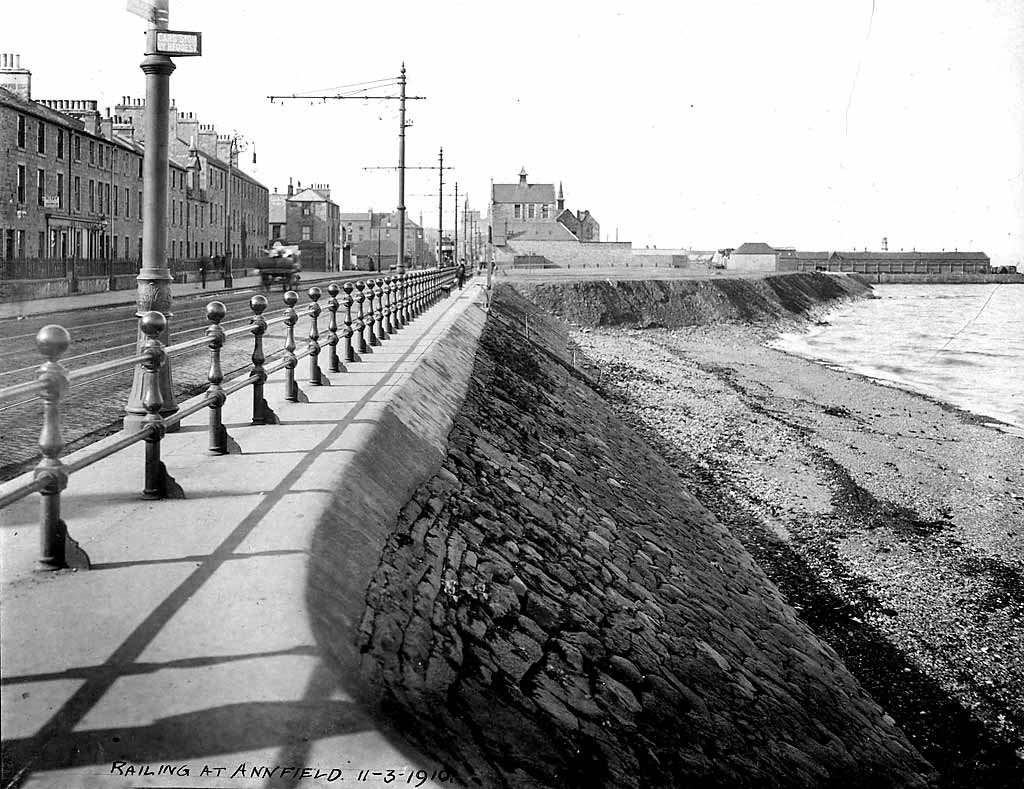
x=79, y=374
x=372, y=310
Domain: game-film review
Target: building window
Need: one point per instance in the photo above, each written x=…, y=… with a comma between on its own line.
x=107, y=186
x=99, y=197
x=101, y=155
x=92, y=152
x=60, y=190
x=140, y=167
x=21, y=131
x=518, y=211
x=532, y=210
x=307, y=233
x=545, y=211
x=78, y=193
x=78, y=148
x=92, y=195
x=21, y=183
x=41, y=137
x=60, y=143
x=41, y=242
x=40, y=186
x=127, y=203
x=307, y=210
x=139, y=202
x=117, y=203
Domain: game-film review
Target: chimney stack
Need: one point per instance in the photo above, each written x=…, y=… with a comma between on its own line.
x=14, y=78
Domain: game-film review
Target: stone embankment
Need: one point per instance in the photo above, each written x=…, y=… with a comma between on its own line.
x=553, y=608
x=648, y=304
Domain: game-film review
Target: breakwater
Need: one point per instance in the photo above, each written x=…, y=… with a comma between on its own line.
x=553, y=608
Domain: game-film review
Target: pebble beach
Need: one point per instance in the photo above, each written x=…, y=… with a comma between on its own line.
x=892, y=522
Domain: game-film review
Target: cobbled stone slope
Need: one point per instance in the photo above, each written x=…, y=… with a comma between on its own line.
x=553, y=609
x=672, y=303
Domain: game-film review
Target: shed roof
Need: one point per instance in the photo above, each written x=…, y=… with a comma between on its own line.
x=753, y=248
x=896, y=256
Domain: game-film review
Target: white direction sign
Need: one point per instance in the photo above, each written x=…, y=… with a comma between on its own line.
x=178, y=43
x=51, y=202
x=151, y=10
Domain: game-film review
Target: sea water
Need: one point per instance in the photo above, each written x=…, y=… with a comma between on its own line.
x=963, y=344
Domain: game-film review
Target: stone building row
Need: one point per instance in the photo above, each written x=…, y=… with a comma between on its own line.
x=71, y=181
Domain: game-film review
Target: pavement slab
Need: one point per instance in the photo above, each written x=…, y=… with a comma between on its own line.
x=190, y=644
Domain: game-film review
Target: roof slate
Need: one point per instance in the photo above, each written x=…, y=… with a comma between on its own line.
x=516, y=193
x=753, y=248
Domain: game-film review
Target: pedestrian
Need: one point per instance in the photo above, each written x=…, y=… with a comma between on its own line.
x=460, y=273
x=202, y=272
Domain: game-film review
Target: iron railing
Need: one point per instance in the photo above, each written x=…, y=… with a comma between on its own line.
x=372, y=311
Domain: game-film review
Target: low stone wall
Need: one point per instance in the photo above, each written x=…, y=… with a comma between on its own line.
x=569, y=253
x=552, y=608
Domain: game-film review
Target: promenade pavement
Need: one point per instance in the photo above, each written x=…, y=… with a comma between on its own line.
x=187, y=656
x=114, y=298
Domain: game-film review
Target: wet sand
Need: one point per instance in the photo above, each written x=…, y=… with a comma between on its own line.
x=894, y=523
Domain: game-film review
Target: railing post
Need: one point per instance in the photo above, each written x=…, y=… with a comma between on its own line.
x=52, y=341
x=152, y=324
x=385, y=321
x=389, y=305
x=368, y=320
x=400, y=317
x=359, y=324
x=261, y=413
x=314, y=311
x=291, y=389
x=215, y=312
x=332, y=327
x=377, y=335
x=346, y=333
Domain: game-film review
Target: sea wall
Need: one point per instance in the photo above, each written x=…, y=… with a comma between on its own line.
x=553, y=608
x=683, y=302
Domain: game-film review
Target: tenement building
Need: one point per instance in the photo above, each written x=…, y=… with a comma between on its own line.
x=309, y=219
x=71, y=181
x=372, y=240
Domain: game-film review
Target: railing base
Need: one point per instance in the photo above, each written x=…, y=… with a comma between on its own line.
x=165, y=488
x=73, y=558
x=269, y=417
x=225, y=444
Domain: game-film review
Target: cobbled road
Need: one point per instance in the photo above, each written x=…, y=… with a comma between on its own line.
x=94, y=407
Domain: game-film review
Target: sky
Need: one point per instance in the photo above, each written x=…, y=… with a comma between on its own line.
x=819, y=125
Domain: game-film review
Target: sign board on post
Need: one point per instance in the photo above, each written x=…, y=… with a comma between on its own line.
x=176, y=43
x=154, y=11
x=51, y=202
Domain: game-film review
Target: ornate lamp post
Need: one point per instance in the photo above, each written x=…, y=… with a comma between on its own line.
x=154, y=277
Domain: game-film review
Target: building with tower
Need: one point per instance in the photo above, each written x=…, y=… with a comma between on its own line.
x=530, y=222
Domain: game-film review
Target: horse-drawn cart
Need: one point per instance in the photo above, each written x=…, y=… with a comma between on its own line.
x=282, y=265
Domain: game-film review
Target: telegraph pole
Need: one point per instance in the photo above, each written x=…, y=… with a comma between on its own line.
x=440, y=203
x=455, y=224
x=401, y=176
x=359, y=93
x=440, y=167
